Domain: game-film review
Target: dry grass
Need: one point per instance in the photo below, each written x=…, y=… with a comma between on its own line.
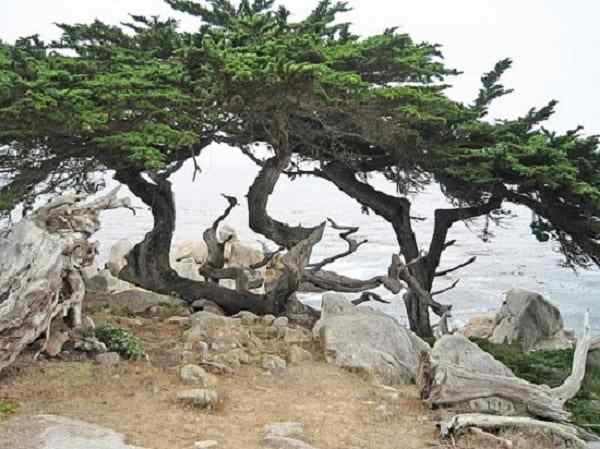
x=338, y=408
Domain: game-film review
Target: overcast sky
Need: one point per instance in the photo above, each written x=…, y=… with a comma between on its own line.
x=554, y=43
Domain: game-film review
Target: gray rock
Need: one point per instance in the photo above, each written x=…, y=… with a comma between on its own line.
x=206, y=325
x=281, y=322
x=199, y=397
x=284, y=429
x=56, y=432
x=334, y=304
x=138, y=300
x=526, y=318
x=368, y=340
x=208, y=444
x=285, y=443
x=117, y=258
x=90, y=344
x=195, y=375
x=273, y=363
x=297, y=355
x=104, y=281
x=481, y=326
x=458, y=350
x=268, y=320
x=248, y=318
x=108, y=358
x=207, y=306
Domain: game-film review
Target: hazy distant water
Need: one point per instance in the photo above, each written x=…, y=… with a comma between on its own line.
x=514, y=258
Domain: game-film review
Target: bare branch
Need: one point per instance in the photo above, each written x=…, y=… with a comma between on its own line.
x=458, y=267
x=369, y=296
x=444, y=290
x=353, y=245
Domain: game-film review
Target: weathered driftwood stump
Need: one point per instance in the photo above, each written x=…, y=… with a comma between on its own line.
x=447, y=384
x=40, y=261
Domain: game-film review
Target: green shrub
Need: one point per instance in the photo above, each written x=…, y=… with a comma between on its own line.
x=552, y=368
x=6, y=408
x=121, y=341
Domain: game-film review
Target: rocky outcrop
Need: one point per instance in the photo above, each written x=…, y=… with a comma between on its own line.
x=529, y=320
x=360, y=338
x=481, y=326
x=53, y=432
x=117, y=258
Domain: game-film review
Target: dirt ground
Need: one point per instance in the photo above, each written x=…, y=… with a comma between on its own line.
x=339, y=409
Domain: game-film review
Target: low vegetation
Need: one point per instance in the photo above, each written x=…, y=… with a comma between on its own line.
x=120, y=341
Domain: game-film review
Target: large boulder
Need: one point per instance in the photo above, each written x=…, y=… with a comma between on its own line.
x=138, y=301
x=54, y=432
x=460, y=351
x=191, y=250
x=480, y=326
x=118, y=254
x=527, y=319
x=105, y=282
x=363, y=339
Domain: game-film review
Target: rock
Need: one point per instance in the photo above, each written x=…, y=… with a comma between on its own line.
x=194, y=251
x=56, y=342
x=333, y=304
x=195, y=375
x=527, y=319
x=458, y=350
x=206, y=325
x=285, y=443
x=207, y=306
x=117, y=258
x=90, y=344
x=130, y=322
x=88, y=324
x=297, y=355
x=296, y=335
x=178, y=356
x=362, y=339
x=104, y=281
x=224, y=344
x=56, y=432
x=248, y=318
x=284, y=429
x=188, y=269
x=138, y=300
x=234, y=358
x=108, y=358
x=199, y=397
x=179, y=320
x=281, y=322
x=268, y=320
x=273, y=363
x=481, y=326
x=208, y=444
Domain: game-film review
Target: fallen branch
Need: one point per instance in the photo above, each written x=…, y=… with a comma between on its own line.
x=569, y=433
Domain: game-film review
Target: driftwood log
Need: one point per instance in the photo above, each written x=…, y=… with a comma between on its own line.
x=448, y=384
x=40, y=261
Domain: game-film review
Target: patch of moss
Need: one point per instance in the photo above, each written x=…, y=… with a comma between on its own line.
x=7, y=408
x=552, y=368
x=121, y=341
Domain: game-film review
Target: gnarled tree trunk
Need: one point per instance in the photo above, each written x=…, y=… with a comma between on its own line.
x=40, y=258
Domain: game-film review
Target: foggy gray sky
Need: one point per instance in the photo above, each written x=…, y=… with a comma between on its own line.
x=554, y=43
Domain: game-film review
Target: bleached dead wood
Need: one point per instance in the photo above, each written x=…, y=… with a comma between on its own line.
x=447, y=384
x=40, y=258
x=573, y=435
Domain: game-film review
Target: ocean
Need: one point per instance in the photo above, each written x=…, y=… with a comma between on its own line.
x=513, y=258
